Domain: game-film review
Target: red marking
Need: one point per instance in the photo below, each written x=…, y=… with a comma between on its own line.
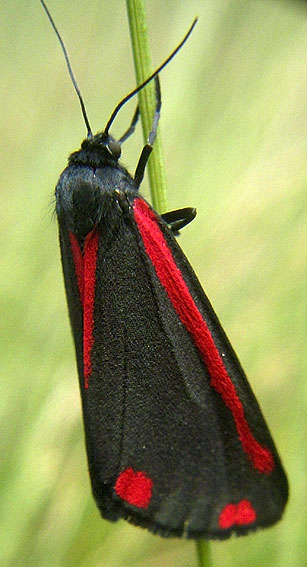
x=134, y=487
x=89, y=279
x=237, y=514
x=171, y=278
x=85, y=266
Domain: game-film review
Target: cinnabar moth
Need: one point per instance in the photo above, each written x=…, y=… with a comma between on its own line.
x=175, y=438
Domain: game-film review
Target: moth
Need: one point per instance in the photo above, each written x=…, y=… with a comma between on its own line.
x=175, y=438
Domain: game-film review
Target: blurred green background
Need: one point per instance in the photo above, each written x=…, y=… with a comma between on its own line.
x=234, y=135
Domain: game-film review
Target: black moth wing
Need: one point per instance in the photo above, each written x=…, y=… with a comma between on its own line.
x=149, y=408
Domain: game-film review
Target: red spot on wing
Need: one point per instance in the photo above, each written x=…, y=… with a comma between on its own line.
x=171, y=278
x=85, y=266
x=134, y=487
x=239, y=514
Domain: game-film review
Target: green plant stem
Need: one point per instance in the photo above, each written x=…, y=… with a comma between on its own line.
x=203, y=553
x=143, y=68
x=147, y=100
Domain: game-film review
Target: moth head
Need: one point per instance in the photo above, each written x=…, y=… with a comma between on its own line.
x=103, y=142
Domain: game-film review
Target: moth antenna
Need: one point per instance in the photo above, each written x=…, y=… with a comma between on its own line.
x=71, y=74
x=152, y=76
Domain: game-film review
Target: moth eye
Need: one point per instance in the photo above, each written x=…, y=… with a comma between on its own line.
x=114, y=148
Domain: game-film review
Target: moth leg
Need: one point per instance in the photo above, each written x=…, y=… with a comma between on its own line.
x=131, y=127
x=140, y=168
x=179, y=218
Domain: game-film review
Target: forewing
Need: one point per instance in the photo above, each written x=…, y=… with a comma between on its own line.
x=175, y=438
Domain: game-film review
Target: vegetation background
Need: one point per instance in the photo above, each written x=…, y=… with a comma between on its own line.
x=234, y=134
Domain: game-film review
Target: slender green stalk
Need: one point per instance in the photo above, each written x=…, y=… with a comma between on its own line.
x=143, y=68
x=203, y=553
x=147, y=102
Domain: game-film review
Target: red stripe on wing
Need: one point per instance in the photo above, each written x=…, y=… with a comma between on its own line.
x=176, y=288
x=89, y=277
x=85, y=267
